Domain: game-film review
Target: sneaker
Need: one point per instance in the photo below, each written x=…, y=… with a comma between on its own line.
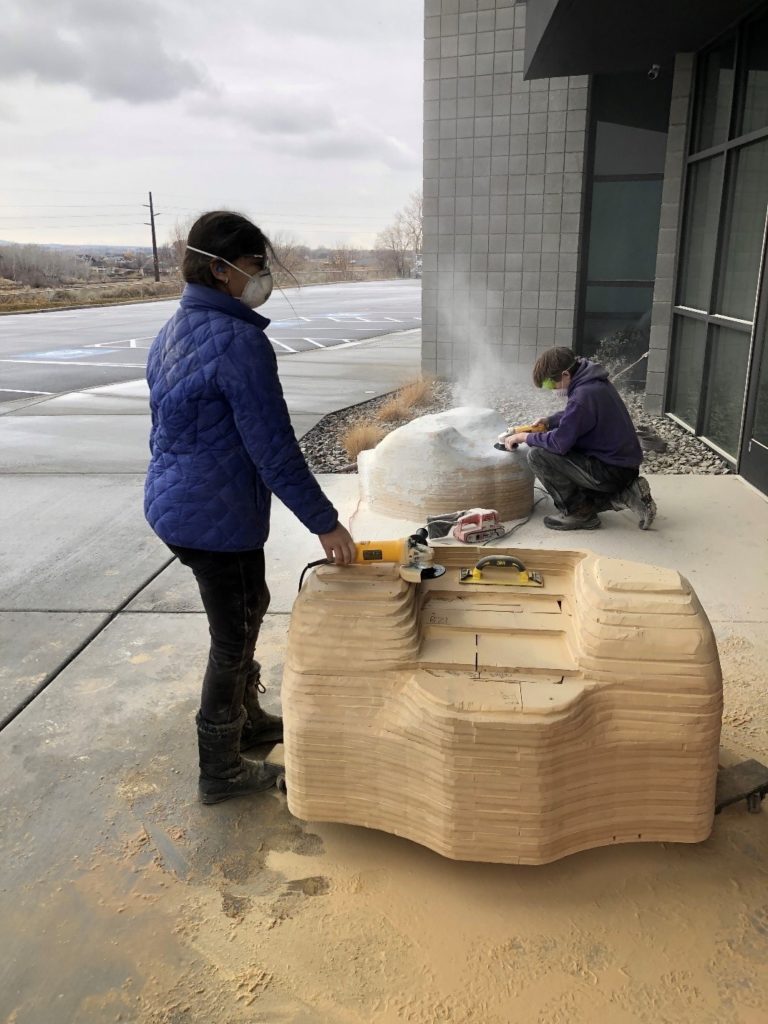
x=637, y=497
x=565, y=521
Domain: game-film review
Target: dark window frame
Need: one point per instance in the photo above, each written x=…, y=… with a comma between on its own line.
x=730, y=145
x=590, y=177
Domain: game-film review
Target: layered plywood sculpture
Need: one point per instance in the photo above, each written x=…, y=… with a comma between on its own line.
x=444, y=462
x=505, y=724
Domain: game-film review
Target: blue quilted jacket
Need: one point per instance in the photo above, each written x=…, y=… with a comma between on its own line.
x=222, y=440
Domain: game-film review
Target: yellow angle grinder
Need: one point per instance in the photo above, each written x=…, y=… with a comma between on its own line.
x=518, y=575
x=531, y=428
x=413, y=555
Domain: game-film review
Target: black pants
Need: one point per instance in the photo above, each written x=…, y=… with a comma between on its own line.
x=235, y=597
x=579, y=484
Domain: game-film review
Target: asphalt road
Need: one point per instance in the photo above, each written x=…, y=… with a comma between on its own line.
x=60, y=351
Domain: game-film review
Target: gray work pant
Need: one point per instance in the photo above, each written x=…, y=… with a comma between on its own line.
x=580, y=484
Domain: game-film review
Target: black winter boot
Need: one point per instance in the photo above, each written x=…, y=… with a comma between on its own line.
x=223, y=773
x=260, y=727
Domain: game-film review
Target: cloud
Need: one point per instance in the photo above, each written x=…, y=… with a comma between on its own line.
x=306, y=127
x=112, y=51
x=350, y=141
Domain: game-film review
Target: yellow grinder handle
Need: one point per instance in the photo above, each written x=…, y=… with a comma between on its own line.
x=367, y=551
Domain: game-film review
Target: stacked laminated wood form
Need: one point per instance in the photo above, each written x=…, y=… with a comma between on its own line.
x=505, y=724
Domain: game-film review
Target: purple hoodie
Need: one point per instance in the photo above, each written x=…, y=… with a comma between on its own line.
x=594, y=421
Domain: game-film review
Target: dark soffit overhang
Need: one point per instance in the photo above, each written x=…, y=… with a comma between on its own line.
x=580, y=37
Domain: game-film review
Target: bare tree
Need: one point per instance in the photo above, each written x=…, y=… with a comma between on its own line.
x=38, y=266
x=291, y=258
x=393, y=246
x=177, y=241
x=399, y=243
x=411, y=217
x=342, y=261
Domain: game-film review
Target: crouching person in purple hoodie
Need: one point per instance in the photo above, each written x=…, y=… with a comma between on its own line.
x=588, y=455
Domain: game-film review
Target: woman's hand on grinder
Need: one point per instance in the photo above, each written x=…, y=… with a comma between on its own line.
x=543, y=423
x=338, y=545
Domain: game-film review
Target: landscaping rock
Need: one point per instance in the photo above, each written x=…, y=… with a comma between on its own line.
x=667, y=447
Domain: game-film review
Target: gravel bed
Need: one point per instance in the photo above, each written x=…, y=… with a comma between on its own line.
x=518, y=404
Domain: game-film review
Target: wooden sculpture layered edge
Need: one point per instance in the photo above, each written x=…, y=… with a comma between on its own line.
x=505, y=724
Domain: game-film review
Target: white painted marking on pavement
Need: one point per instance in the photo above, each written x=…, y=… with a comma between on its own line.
x=312, y=341
x=21, y=391
x=121, y=341
x=71, y=362
x=350, y=327
x=286, y=347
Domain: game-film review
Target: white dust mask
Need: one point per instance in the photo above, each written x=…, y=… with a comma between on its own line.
x=259, y=286
x=258, y=289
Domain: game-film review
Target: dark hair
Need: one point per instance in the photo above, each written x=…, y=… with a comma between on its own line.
x=225, y=234
x=553, y=363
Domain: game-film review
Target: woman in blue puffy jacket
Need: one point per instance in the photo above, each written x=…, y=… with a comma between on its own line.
x=222, y=443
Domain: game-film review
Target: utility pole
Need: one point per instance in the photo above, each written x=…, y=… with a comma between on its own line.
x=151, y=224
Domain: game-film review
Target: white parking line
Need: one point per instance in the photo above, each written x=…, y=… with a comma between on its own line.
x=350, y=327
x=312, y=341
x=20, y=391
x=286, y=347
x=121, y=341
x=71, y=362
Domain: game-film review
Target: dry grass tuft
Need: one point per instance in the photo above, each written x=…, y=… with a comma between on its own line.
x=360, y=437
x=392, y=411
x=405, y=400
x=19, y=298
x=418, y=392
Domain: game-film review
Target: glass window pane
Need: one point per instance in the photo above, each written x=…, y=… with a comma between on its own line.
x=714, y=87
x=726, y=387
x=755, y=110
x=760, y=426
x=747, y=196
x=621, y=314
x=624, y=230
x=697, y=251
x=687, y=369
x=625, y=149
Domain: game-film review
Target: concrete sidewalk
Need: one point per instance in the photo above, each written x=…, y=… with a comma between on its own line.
x=74, y=545
x=125, y=900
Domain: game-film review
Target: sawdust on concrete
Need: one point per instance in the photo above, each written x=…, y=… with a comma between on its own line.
x=743, y=656
x=239, y=914
x=357, y=927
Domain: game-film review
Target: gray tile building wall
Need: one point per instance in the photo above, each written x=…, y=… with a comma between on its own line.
x=503, y=185
x=669, y=230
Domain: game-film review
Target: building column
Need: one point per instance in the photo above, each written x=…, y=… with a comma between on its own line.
x=503, y=187
x=669, y=233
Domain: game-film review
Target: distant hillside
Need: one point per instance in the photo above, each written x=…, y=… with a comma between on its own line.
x=96, y=250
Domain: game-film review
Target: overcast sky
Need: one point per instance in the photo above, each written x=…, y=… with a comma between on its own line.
x=303, y=114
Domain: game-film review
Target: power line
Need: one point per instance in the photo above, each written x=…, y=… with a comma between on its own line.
x=316, y=218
